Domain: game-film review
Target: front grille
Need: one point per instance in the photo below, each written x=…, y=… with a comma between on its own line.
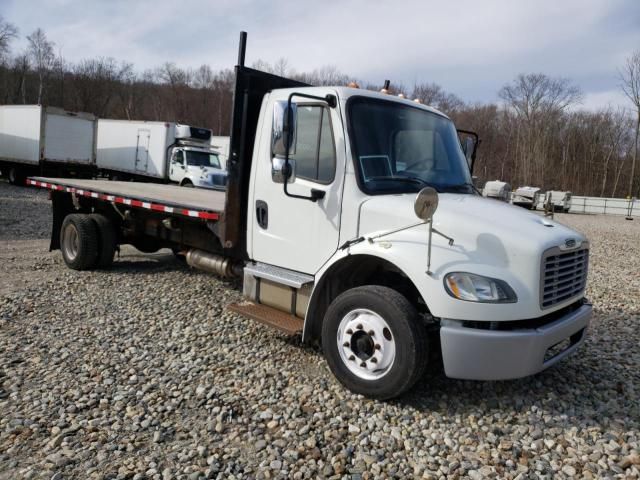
x=564, y=275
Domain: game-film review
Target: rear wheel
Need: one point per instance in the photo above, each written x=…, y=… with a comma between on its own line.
x=16, y=177
x=107, y=241
x=79, y=241
x=374, y=342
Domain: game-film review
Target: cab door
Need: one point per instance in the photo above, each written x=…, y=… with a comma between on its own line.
x=177, y=166
x=294, y=233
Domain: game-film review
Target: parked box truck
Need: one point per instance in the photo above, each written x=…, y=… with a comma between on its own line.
x=158, y=151
x=221, y=145
x=47, y=140
x=348, y=227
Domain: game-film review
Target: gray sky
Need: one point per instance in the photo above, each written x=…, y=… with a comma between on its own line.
x=469, y=47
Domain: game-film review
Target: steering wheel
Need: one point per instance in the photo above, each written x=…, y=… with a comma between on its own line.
x=410, y=167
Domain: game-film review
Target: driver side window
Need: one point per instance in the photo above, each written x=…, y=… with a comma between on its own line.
x=179, y=157
x=315, y=150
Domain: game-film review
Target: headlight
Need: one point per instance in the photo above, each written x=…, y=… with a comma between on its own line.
x=476, y=288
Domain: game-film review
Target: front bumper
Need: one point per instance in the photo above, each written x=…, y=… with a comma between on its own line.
x=209, y=185
x=478, y=354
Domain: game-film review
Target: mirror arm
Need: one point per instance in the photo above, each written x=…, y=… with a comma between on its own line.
x=332, y=102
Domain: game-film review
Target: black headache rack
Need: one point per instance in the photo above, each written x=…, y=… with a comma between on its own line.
x=250, y=87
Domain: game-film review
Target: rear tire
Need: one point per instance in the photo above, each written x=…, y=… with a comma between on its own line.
x=79, y=241
x=16, y=177
x=107, y=240
x=383, y=324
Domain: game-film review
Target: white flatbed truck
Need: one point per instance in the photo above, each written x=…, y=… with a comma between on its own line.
x=351, y=219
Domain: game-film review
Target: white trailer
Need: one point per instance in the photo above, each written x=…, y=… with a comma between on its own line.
x=526, y=197
x=221, y=144
x=45, y=139
x=160, y=151
x=497, y=189
x=558, y=200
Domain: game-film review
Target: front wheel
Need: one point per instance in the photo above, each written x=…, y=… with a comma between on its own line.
x=374, y=342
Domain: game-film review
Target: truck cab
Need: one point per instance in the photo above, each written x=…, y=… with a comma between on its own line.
x=500, y=289
x=195, y=166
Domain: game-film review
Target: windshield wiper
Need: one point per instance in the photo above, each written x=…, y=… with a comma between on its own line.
x=461, y=187
x=416, y=180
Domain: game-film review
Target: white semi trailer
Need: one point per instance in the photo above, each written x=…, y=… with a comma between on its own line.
x=158, y=151
x=351, y=219
x=45, y=140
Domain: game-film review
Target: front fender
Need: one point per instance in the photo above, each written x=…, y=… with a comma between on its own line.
x=483, y=255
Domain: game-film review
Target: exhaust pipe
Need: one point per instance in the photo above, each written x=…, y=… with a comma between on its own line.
x=210, y=262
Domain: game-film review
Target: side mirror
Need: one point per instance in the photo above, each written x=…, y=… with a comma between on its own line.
x=283, y=130
x=426, y=203
x=468, y=146
x=278, y=170
x=469, y=142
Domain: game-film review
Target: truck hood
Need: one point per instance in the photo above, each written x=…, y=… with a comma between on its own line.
x=204, y=171
x=473, y=221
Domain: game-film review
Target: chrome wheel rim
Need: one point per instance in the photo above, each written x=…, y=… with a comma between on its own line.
x=366, y=344
x=70, y=242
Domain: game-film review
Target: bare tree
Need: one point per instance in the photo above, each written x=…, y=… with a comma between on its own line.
x=538, y=101
x=8, y=32
x=43, y=56
x=630, y=85
x=434, y=95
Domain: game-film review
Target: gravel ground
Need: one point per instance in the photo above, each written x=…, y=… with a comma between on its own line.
x=139, y=372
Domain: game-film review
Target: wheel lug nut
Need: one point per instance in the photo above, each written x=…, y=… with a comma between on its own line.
x=371, y=333
x=363, y=364
x=349, y=332
x=377, y=347
x=345, y=344
x=374, y=360
x=352, y=358
x=359, y=326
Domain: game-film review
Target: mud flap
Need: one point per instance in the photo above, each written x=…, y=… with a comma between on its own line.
x=62, y=205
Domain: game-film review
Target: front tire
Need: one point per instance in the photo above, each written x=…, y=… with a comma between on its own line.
x=188, y=184
x=79, y=241
x=374, y=342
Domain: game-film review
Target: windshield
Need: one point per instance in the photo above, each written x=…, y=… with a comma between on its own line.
x=400, y=149
x=202, y=159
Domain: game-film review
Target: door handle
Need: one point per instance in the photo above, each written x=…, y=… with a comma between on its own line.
x=262, y=214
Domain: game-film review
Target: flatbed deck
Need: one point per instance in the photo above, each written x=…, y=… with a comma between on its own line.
x=192, y=202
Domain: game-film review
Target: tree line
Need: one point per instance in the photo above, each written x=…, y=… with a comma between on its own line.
x=536, y=135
